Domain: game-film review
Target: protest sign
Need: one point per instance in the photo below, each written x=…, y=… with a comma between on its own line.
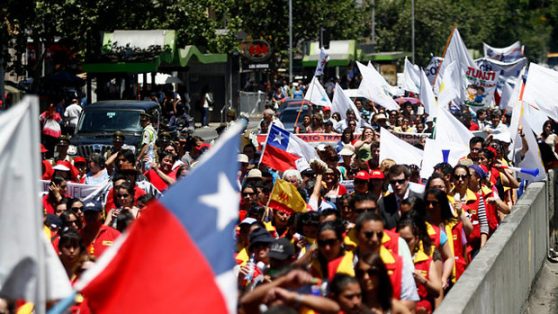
x=75, y=190
x=480, y=87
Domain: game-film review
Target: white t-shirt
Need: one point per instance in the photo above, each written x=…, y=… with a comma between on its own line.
x=72, y=113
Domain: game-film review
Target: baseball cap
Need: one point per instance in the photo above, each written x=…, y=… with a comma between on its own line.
x=377, y=174
x=118, y=135
x=53, y=221
x=92, y=207
x=281, y=249
x=61, y=167
x=248, y=221
x=362, y=175
x=79, y=159
x=260, y=235
x=64, y=140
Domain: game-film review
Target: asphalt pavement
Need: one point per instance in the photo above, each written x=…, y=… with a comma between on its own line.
x=208, y=134
x=544, y=293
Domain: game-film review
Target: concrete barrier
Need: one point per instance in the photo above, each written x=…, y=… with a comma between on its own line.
x=500, y=277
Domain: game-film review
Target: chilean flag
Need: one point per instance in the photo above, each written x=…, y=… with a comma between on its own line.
x=284, y=150
x=177, y=257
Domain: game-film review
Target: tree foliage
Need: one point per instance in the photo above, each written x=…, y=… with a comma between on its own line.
x=80, y=22
x=497, y=23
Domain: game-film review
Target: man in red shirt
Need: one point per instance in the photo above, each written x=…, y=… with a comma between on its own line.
x=96, y=236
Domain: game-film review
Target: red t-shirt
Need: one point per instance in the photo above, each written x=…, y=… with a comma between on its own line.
x=157, y=181
x=138, y=192
x=105, y=238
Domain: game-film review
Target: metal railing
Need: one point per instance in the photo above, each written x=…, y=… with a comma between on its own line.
x=252, y=103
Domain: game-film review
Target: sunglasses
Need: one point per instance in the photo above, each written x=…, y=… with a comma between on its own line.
x=433, y=203
x=77, y=208
x=248, y=193
x=400, y=181
x=365, y=209
x=329, y=242
x=371, y=272
x=370, y=234
x=460, y=177
x=122, y=195
x=360, y=182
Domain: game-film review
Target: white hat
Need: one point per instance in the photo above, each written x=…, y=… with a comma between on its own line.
x=254, y=174
x=243, y=158
x=61, y=168
x=248, y=220
x=348, y=150
x=502, y=137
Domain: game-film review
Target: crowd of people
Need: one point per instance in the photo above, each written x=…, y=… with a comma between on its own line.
x=375, y=237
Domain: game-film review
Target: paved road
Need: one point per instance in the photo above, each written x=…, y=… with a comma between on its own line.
x=209, y=134
x=544, y=294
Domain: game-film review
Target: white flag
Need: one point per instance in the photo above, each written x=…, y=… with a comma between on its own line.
x=373, y=88
x=341, y=103
x=540, y=89
x=411, y=74
x=426, y=95
x=322, y=61
x=456, y=52
x=316, y=93
x=532, y=158
x=450, y=130
x=507, y=54
x=434, y=154
x=397, y=149
x=451, y=85
x=432, y=69
x=26, y=264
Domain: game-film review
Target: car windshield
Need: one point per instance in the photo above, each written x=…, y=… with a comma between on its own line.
x=110, y=121
x=288, y=118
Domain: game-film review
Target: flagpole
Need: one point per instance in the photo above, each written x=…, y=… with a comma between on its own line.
x=267, y=209
x=302, y=104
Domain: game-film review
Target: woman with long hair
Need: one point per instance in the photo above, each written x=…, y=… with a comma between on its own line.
x=345, y=290
x=377, y=291
x=440, y=214
x=347, y=138
x=124, y=201
x=332, y=258
x=427, y=275
x=98, y=173
x=57, y=191
x=470, y=204
x=549, y=137
x=334, y=190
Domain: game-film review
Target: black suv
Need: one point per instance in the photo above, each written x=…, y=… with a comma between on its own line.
x=100, y=120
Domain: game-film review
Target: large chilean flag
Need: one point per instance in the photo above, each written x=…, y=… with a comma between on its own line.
x=284, y=150
x=178, y=255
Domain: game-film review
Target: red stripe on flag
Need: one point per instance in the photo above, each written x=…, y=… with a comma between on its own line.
x=281, y=207
x=159, y=268
x=278, y=159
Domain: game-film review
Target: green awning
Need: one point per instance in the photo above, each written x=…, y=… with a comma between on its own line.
x=385, y=56
x=123, y=67
x=185, y=56
x=145, y=38
x=341, y=53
